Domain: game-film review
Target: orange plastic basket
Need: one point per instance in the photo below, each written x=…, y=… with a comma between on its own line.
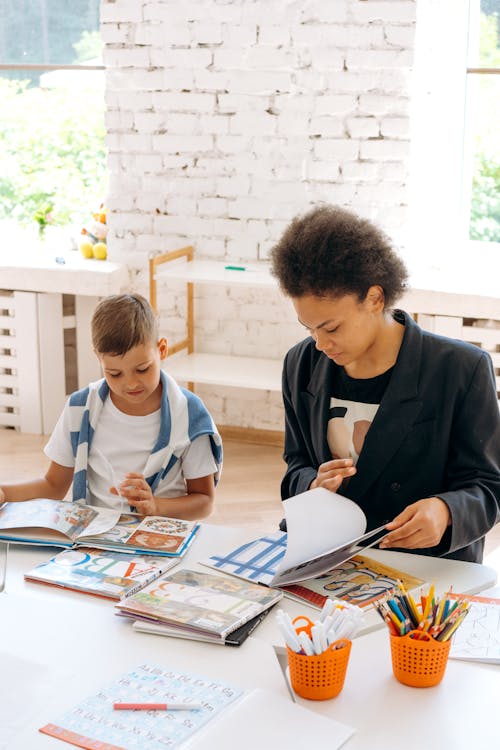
x=321, y=676
x=418, y=659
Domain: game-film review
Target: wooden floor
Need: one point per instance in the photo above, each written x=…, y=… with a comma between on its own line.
x=247, y=495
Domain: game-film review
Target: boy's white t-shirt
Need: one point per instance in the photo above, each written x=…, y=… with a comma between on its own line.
x=123, y=443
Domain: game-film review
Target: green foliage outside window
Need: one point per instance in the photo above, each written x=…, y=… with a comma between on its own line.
x=485, y=199
x=52, y=151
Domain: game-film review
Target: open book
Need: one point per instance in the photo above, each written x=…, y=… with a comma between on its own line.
x=66, y=524
x=323, y=530
x=188, y=601
x=343, y=572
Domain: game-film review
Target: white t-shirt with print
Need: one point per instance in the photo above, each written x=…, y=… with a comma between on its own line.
x=122, y=443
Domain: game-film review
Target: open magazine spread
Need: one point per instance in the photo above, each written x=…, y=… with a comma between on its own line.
x=323, y=529
x=66, y=524
x=53, y=521
x=359, y=580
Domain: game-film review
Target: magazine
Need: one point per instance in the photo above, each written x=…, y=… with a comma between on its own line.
x=323, y=530
x=199, y=603
x=359, y=580
x=105, y=573
x=65, y=524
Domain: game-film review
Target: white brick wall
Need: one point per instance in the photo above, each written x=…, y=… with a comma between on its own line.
x=225, y=120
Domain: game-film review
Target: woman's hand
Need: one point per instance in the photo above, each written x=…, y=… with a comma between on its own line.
x=137, y=492
x=419, y=525
x=331, y=474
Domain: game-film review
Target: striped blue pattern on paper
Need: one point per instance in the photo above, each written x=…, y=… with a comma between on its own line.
x=255, y=561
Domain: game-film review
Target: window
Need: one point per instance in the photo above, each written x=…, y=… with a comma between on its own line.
x=52, y=146
x=454, y=169
x=482, y=151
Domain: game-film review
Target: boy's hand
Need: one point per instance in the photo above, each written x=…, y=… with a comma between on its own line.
x=137, y=492
x=2, y=496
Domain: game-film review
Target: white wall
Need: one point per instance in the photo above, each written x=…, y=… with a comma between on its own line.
x=225, y=119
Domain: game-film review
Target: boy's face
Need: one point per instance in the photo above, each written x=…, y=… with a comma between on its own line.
x=134, y=377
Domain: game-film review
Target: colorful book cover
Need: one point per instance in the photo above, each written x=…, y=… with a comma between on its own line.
x=94, y=724
x=360, y=580
x=199, y=602
x=110, y=574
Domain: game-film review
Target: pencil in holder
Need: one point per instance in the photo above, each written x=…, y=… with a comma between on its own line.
x=321, y=676
x=418, y=659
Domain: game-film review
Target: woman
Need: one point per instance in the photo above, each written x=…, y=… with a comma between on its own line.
x=404, y=422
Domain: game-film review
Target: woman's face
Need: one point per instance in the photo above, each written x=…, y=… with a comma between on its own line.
x=343, y=328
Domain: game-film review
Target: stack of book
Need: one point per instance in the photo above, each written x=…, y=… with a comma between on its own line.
x=108, y=554
x=199, y=606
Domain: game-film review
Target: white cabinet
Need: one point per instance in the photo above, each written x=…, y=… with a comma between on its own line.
x=186, y=365
x=46, y=304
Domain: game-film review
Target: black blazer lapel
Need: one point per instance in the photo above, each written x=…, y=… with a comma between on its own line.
x=316, y=404
x=396, y=414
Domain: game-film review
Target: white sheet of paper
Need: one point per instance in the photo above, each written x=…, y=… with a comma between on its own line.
x=263, y=719
x=318, y=521
x=41, y=683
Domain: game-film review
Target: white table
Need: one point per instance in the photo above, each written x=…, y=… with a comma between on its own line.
x=70, y=644
x=468, y=578
x=460, y=713
x=57, y=651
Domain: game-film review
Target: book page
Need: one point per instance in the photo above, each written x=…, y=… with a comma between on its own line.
x=329, y=560
x=478, y=636
x=359, y=580
x=318, y=521
x=105, y=519
x=324, y=529
x=26, y=519
x=155, y=533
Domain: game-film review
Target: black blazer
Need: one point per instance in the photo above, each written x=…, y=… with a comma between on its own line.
x=436, y=433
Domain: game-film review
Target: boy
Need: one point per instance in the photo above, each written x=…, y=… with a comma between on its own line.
x=135, y=433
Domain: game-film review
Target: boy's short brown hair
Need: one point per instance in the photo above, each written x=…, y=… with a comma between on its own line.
x=121, y=322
